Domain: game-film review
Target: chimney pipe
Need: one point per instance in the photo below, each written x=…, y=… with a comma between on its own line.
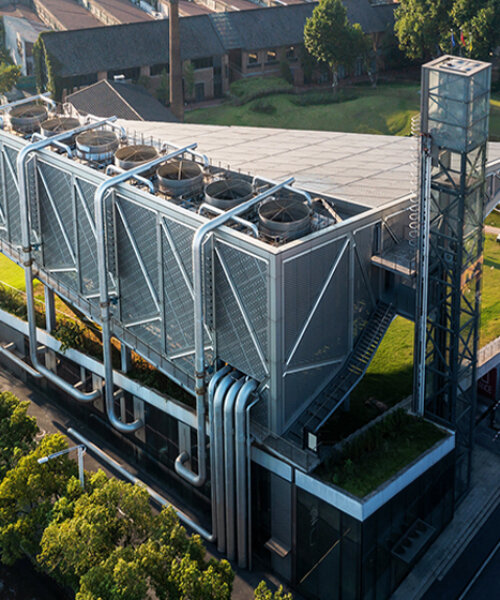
x=175, y=75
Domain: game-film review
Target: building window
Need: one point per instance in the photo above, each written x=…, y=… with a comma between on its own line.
x=271, y=56
x=253, y=58
x=203, y=63
x=158, y=69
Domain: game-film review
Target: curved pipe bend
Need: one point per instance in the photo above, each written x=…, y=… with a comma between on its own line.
x=198, y=239
x=100, y=219
x=21, y=161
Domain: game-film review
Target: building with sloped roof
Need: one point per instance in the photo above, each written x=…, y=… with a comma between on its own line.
x=221, y=47
x=126, y=101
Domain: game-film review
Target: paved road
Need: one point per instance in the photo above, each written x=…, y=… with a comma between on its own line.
x=475, y=575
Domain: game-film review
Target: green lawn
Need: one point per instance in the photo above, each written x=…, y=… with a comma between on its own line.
x=493, y=219
x=386, y=109
x=495, y=117
x=10, y=273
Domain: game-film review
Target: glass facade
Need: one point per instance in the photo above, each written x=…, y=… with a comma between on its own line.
x=337, y=557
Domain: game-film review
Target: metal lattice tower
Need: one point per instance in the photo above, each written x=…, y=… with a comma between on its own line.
x=455, y=108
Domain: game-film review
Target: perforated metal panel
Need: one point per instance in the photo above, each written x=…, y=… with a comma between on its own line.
x=241, y=310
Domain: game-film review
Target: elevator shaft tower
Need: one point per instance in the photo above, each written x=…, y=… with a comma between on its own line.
x=454, y=128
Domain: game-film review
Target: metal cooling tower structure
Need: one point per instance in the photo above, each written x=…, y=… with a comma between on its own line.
x=266, y=303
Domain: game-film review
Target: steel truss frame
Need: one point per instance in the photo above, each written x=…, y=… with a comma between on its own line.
x=453, y=305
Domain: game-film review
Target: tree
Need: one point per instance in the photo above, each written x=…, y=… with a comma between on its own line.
x=9, y=74
x=428, y=28
x=27, y=493
x=162, y=93
x=85, y=531
x=262, y=592
x=330, y=38
x=189, y=78
x=106, y=544
x=17, y=431
x=478, y=25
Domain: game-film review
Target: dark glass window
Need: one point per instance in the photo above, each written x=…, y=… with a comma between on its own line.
x=271, y=56
x=203, y=63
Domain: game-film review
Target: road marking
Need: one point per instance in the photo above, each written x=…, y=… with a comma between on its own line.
x=478, y=574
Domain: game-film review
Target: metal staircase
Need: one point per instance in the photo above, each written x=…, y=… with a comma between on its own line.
x=337, y=390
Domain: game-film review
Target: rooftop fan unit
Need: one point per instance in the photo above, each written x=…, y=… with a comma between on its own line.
x=284, y=219
x=129, y=157
x=97, y=145
x=228, y=193
x=27, y=118
x=57, y=125
x=180, y=178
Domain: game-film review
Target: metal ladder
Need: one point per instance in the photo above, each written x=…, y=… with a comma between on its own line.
x=337, y=390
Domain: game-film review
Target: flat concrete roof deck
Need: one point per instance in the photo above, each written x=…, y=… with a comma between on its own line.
x=369, y=170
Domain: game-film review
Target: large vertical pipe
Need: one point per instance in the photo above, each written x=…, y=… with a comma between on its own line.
x=229, y=495
x=175, y=64
x=240, y=438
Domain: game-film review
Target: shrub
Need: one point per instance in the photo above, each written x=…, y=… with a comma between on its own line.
x=318, y=98
x=261, y=106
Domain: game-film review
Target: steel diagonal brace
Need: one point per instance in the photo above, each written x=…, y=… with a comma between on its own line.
x=22, y=159
x=198, y=240
x=101, y=194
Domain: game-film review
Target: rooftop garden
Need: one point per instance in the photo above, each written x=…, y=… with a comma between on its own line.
x=378, y=453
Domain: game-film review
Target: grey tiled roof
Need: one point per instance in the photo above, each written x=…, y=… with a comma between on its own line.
x=132, y=102
x=126, y=46
x=137, y=44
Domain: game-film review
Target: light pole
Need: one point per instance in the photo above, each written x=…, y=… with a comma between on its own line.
x=81, y=451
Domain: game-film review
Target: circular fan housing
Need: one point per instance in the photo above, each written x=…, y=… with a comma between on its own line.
x=284, y=219
x=128, y=157
x=97, y=145
x=27, y=117
x=58, y=125
x=180, y=177
x=228, y=193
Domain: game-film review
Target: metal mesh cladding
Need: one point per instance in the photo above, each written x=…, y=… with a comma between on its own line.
x=241, y=310
x=137, y=261
x=9, y=156
x=87, y=245
x=178, y=290
x=57, y=219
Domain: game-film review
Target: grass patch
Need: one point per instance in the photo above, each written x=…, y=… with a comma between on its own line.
x=493, y=219
x=495, y=117
x=490, y=297
x=248, y=88
x=379, y=453
x=11, y=274
x=385, y=110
